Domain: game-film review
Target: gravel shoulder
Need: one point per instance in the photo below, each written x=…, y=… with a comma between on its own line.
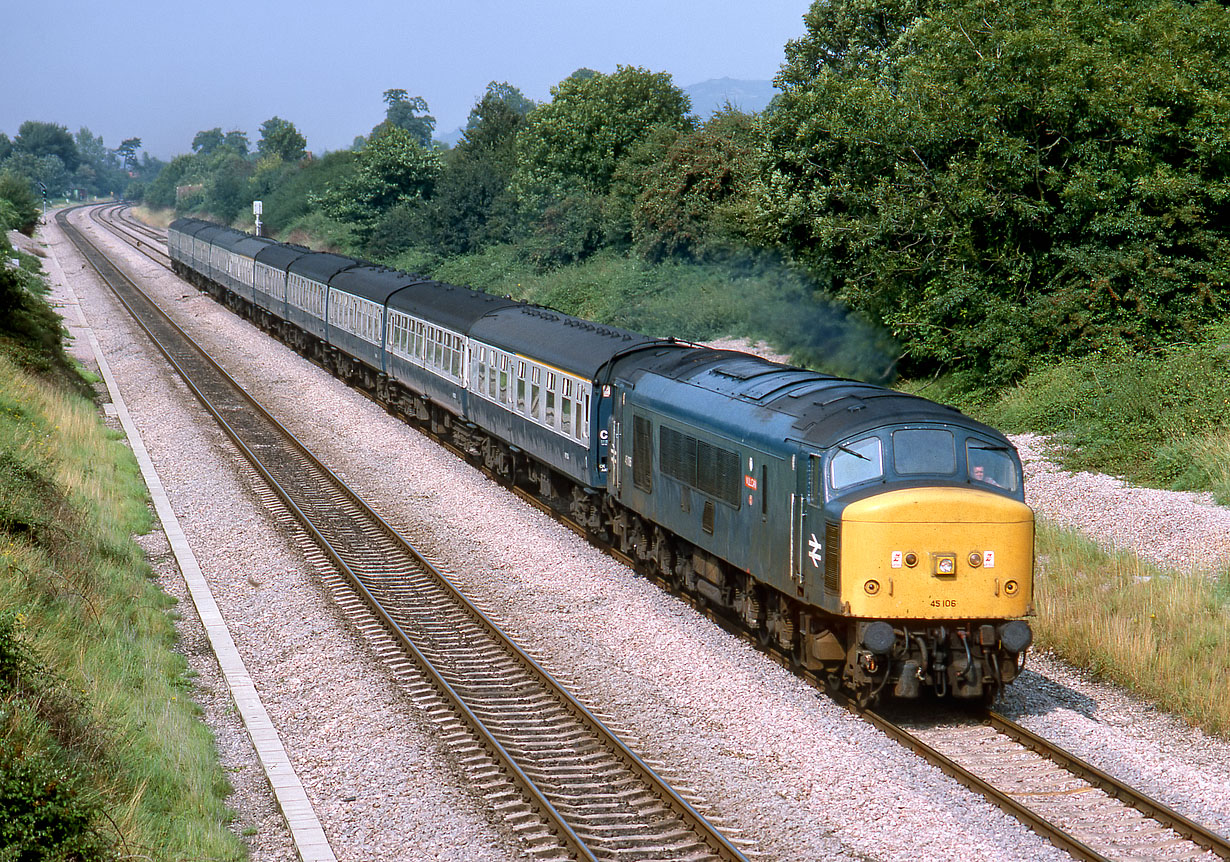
x=775, y=762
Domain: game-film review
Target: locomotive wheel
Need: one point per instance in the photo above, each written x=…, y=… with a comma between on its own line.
x=764, y=637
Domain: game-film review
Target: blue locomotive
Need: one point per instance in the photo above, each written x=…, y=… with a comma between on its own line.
x=879, y=539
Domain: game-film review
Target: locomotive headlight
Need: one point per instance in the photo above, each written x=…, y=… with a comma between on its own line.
x=945, y=565
x=975, y=560
x=911, y=560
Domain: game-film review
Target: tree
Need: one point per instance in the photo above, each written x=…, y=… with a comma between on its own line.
x=237, y=142
x=576, y=140
x=47, y=139
x=409, y=113
x=100, y=170
x=280, y=137
x=500, y=100
x=471, y=205
x=392, y=169
x=999, y=181
x=48, y=170
x=684, y=203
x=128, y=152
x=20, y=204
x=207, y=141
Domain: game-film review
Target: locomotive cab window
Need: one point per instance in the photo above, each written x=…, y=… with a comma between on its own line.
x=855, y=462
x=990, y=465
x=924, y=450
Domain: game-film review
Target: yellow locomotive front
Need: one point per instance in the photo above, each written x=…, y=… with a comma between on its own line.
x=928, y=563
x=939, y=579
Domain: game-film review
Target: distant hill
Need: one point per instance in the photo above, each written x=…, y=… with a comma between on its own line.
x=713, y=95
x=450, y=138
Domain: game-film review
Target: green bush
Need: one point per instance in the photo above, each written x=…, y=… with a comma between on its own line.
x=1160, y=418
x=22, y=210
x=47, y=808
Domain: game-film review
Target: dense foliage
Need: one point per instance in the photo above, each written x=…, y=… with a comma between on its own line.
x=993, y=183
x=45, y=156
x=1002, y=181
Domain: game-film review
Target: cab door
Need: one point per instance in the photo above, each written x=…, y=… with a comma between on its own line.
x=807, y=532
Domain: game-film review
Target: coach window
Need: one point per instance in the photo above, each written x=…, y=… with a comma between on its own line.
x=536, y=393
x=504, y=399
x=566, y=406
x=551, y=400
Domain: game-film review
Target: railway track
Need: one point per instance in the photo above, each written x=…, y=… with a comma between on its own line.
x=1077, y=807
x=1087, y=812
x=590, y=796
x=116, y=218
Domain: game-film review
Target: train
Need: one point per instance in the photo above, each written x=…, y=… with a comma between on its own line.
x=876, y=539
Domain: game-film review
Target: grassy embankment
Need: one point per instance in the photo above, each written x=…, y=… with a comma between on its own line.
x=102, y=752
x=1161, y=421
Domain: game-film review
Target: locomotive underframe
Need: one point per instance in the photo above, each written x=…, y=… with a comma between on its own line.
x=959, y=658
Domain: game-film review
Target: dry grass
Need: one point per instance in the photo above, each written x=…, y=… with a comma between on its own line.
x=1165, y=635
x=154, y=218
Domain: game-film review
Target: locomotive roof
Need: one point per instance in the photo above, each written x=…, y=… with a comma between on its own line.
x=456, y=308
x=815, y=407
x=558, y=339
x=321, y=266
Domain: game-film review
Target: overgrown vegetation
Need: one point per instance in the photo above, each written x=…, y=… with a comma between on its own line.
x=49, y=162
x=1163, y=634
x=102, y=752
x=1159, y=418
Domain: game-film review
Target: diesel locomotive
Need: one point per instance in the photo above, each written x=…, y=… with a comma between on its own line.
x=878, y=539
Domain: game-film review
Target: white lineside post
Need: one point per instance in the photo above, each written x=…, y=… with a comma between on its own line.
x=258, y=207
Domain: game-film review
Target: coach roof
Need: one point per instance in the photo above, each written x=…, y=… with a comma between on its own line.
x=321, y=266
x=557, y=339
x=281, y=256
x=455, y=308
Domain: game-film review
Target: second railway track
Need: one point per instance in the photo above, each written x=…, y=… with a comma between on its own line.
x=597, y=798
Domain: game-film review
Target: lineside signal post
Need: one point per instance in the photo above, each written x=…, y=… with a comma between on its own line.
x=258, y=207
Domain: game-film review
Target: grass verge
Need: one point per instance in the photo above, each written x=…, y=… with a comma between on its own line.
x=1161, y=420
x=102, y=752
x=1164, y=635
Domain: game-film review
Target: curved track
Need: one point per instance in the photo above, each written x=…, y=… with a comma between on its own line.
x=598, y=799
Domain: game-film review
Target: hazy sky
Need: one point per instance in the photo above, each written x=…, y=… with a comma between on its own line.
x=162, y=71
